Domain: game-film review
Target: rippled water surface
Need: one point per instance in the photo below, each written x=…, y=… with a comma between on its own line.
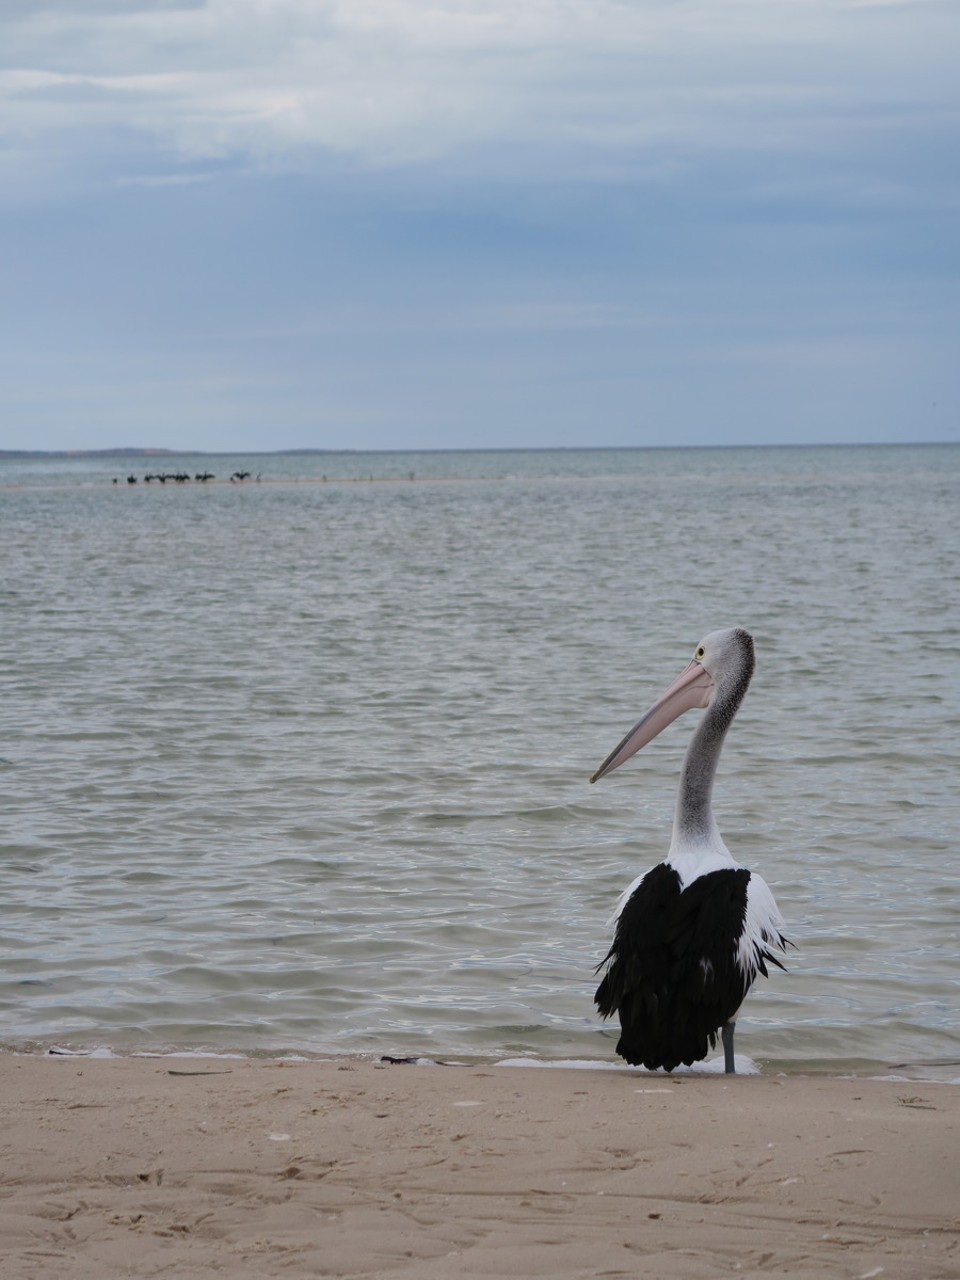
x=302, y=763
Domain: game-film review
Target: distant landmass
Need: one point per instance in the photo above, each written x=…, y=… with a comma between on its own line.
x=88, y=453
x=199, y=453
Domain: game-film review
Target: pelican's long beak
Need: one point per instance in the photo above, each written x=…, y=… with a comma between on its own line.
x=691, y=689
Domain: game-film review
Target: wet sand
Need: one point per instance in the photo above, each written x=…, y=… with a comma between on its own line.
x=181, y=1167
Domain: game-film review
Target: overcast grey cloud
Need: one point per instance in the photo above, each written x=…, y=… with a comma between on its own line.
x=271, y=223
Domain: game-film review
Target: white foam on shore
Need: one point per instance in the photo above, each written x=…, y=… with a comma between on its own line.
x=57, y=1051
x=715, y=1066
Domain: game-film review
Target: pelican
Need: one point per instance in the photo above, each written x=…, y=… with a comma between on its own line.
x=692, y=933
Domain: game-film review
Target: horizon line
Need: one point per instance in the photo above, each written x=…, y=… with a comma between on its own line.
x=147, y=451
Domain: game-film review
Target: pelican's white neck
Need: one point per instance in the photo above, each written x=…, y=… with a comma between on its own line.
x=694, y=824
x=693, y=820
x=697, y=846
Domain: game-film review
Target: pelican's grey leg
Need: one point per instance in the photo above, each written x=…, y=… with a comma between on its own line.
x=726, y=1035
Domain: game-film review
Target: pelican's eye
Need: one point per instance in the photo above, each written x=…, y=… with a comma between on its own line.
x=698, y=656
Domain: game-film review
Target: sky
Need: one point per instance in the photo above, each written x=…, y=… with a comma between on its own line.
x=370, y=224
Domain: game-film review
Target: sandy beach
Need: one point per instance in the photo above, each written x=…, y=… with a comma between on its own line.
x=194, y=1167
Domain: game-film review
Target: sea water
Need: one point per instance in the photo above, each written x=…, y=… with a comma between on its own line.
x=299, y=762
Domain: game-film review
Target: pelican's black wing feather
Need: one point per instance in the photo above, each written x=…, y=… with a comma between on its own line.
x=672, y=972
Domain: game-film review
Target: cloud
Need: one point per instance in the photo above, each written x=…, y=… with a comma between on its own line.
x=394, y=82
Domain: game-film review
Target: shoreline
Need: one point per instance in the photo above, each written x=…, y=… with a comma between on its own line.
x=137, y=1166
x=939, y=1071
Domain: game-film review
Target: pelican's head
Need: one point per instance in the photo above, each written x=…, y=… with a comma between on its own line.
x=719, y=672
x=728, y=658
